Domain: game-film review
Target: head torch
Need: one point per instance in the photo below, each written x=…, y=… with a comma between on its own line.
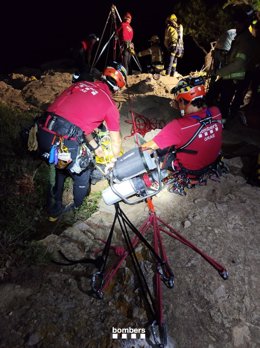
x=188, y=82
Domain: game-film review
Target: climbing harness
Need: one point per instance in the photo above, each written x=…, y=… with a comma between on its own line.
x=182, y=178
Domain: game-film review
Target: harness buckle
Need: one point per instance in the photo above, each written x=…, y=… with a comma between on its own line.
x=159, y=334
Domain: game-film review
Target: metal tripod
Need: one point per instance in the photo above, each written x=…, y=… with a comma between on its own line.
x=113, y=16
x=163, y=273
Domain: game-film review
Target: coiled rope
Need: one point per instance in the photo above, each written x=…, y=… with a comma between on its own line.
x=142, y=125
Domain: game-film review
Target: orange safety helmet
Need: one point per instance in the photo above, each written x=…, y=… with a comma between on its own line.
x=115, y=76
x=189, y=89
x=128, y=17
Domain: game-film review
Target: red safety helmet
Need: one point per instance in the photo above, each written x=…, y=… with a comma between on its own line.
x=115, y=76
x=189, y=89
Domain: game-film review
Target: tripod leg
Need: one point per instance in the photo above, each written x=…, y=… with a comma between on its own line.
x=109, y=274
x=97, y=279
x=176, y=235
x=158, y=327
x=163, y=269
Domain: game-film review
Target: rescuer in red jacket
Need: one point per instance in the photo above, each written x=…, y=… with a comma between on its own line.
x=82, y=55
x=65, y=133
x=125, y=36
x=196, y=145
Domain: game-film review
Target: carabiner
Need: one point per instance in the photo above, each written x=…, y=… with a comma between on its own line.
x=166, y=274
x=97, y=281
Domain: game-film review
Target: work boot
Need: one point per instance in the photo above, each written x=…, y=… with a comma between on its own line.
x=55, y=211
x=59, y=209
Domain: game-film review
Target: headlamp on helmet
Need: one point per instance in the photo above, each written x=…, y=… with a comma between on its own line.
x=189, y=89
x=93, y=36
x=115, y=76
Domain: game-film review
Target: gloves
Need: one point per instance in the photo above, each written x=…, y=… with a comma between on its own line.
x=172, y=48
x=131, y=48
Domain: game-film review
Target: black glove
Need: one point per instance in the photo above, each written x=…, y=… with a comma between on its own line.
x=172, y=48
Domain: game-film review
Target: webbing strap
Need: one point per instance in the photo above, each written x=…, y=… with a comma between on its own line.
x=203, y=122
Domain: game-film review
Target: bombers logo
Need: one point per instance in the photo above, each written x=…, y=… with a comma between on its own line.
x=208, y=132
x=128, y=333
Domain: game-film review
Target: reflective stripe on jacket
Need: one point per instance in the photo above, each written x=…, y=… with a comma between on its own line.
x=239, y=58
x=170, y=36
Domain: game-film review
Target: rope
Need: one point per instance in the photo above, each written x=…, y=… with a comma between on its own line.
x=142, y=125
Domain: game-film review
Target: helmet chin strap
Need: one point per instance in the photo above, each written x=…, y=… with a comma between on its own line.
x=184, y=109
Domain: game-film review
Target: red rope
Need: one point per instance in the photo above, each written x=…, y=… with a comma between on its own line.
x=142, y=125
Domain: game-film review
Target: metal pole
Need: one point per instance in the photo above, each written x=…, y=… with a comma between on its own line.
x=94, y=60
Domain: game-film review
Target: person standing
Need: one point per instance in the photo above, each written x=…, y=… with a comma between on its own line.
x=156, y=54
x=91, y=41
x=173, y=42
x=125, y=36
x=231, y=85
x=221, y=49
x=82, y=56
x=67, y=129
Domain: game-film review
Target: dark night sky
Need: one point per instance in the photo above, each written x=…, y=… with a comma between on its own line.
x=35, y=32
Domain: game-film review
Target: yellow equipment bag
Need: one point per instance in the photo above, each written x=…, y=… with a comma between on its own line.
x=105, y=142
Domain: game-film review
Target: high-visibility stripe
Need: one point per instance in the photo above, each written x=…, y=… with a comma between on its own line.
x=235, y=76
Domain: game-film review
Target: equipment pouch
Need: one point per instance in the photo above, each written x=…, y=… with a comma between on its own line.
x=64, y=155
x=83, y=159
x=53, y=157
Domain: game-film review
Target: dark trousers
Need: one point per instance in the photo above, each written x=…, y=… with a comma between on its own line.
x=81, y=185
x=228, y=95
x=126, y=60
x=81, y=182
x=81, y=62
x=171, y=63
x=219, y=59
